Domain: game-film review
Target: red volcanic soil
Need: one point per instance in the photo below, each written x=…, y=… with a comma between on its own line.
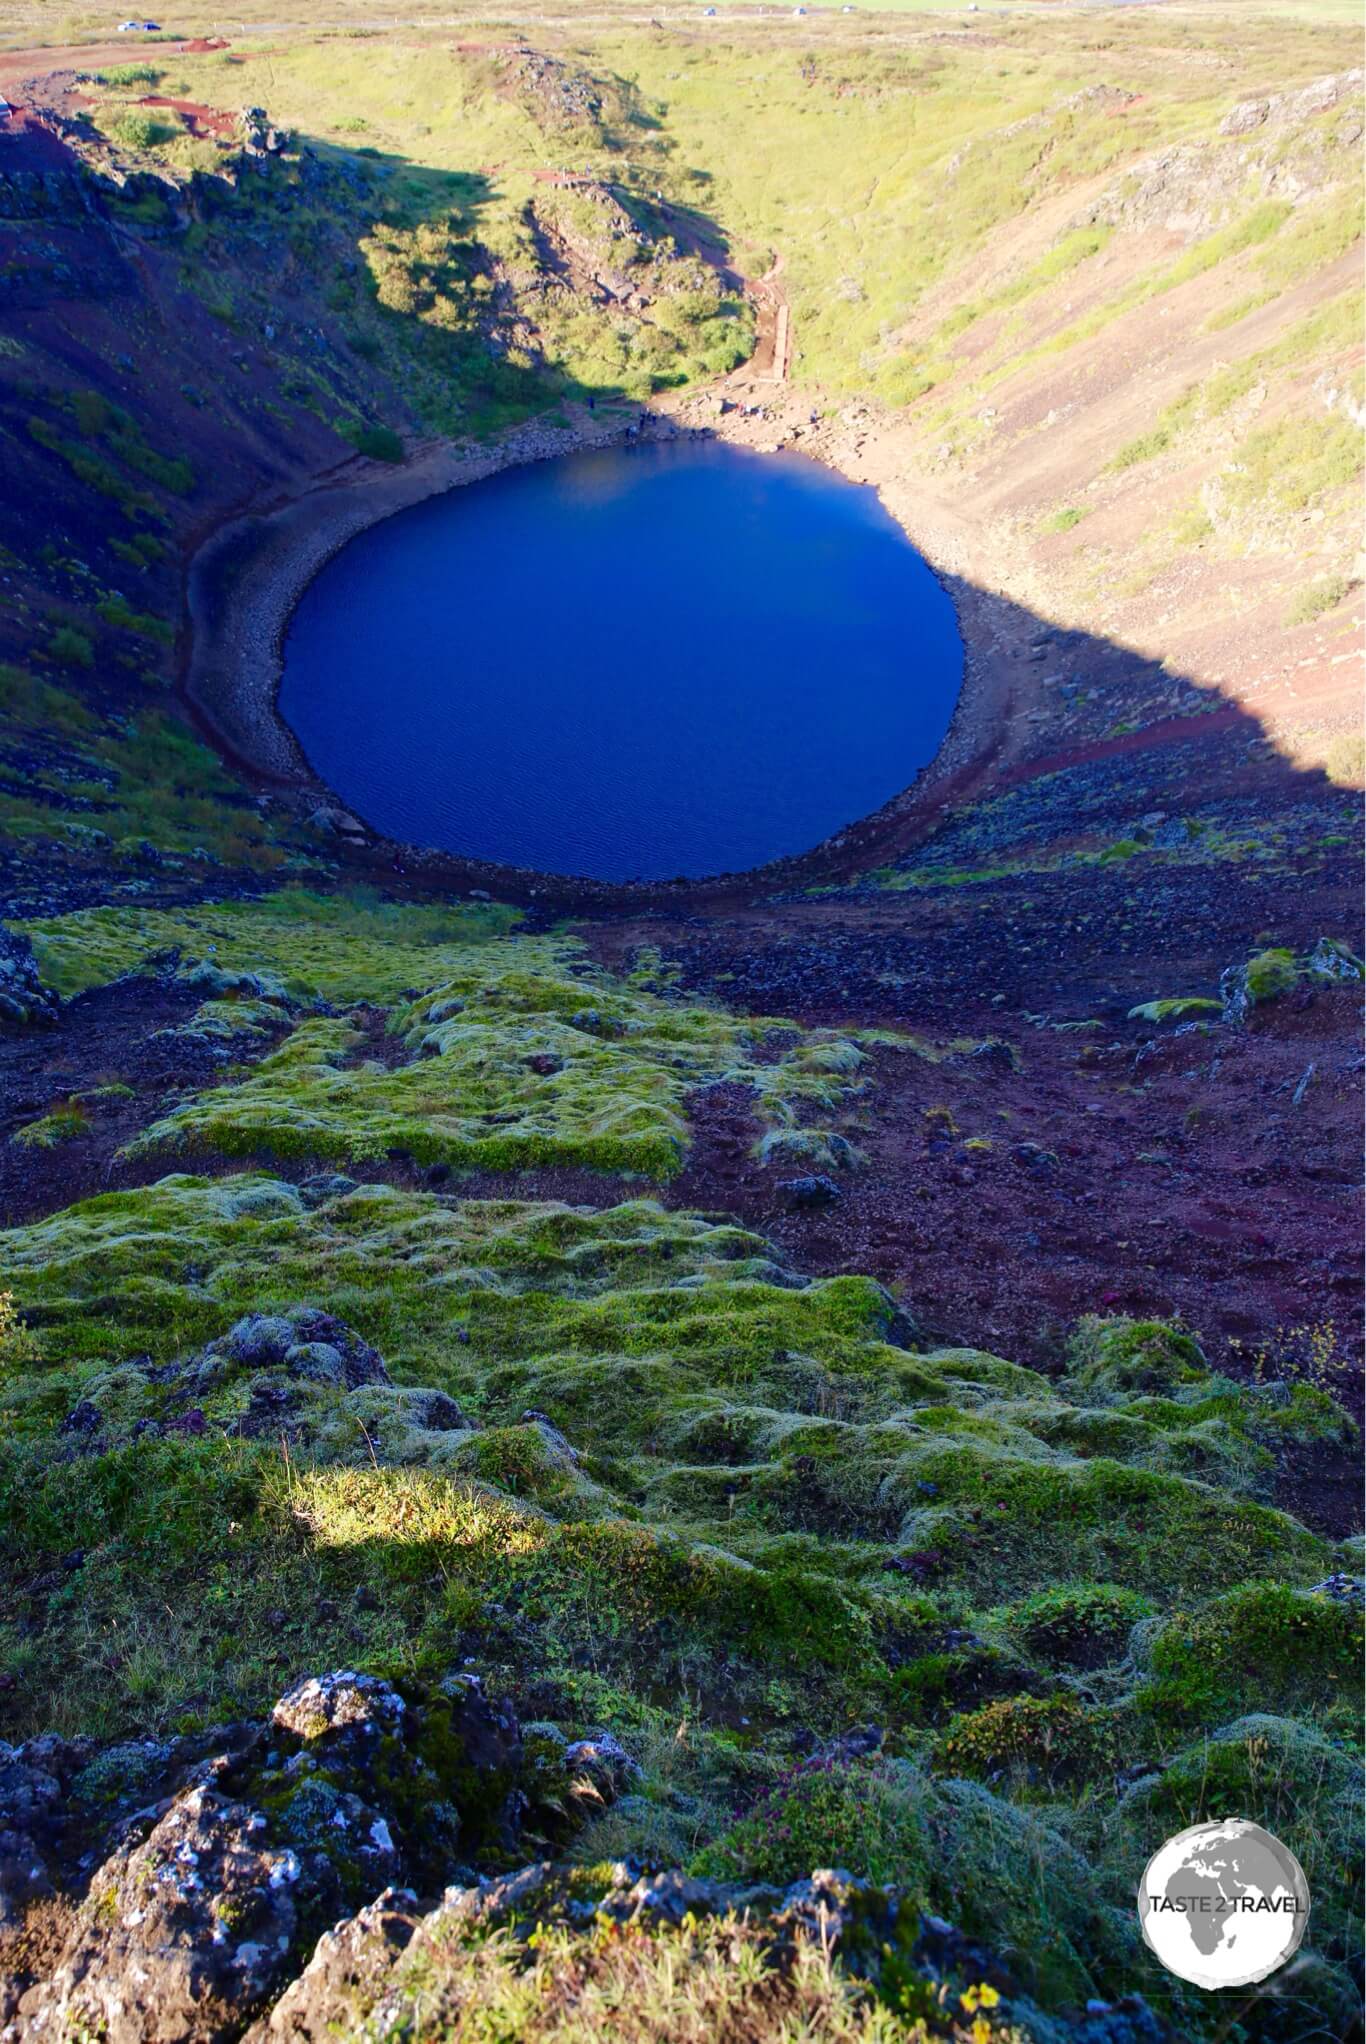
x=202, y=120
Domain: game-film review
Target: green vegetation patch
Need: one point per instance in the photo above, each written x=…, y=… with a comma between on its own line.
x=634, y=1467
x=340, y=947
x=520, y=1054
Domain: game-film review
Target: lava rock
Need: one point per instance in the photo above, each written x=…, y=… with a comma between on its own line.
x=181, y=1937
x=323, y=1186
x=339, y=1702
x=352, y=1959
x=305, y=1342
x=811, y=1192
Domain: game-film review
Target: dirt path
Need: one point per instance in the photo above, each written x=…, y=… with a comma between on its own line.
x=772, y=357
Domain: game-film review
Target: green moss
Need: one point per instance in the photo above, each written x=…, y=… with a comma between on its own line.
x=1043, y=1741
x=1288, y=1777
x=344, y=947
x=967, y=1854
x=934, y=1686
x=1115, y=1358
x=519, y=1055
x=58, y=1126
x=1270, y=973
x=1177, y=1008
x=859, y=1817
x=1283, y=1650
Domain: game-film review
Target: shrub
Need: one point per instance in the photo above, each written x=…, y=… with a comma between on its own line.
x=70, y=648
x=377, y=443
x=1318, y=598
x=1083, y=1625
x=138, y=129
x=1046, y=1739
x=130, y=74
x=18, y=1343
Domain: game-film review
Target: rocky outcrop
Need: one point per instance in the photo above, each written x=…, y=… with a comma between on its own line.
x=1288, y=146
x=24, y=1000
x=218, y=1860
x=180, y=1936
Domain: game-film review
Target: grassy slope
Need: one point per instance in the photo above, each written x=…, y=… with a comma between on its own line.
x=779, y=1517
x=972, y=232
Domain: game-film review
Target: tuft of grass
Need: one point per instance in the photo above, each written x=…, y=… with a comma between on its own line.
x=1317, y=599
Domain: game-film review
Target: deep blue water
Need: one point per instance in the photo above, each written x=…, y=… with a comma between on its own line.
x=639, y=662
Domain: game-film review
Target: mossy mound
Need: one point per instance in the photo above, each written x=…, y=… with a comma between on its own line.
x=342, y=947
x=644, y=1474
x=1302, y=1786
x=1278, y=970
x=1301, y=1651
x=462, y=1044
x=949, y=1846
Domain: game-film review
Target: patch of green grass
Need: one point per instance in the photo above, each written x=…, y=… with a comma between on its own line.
x=745, y=1454
x=131, y=74
x=59, y=1125
x=1316, y=599
x=1292, y=465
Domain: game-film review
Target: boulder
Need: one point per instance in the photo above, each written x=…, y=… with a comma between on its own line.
x=24, y=1000
x=184, y=1932
x=340, y=1702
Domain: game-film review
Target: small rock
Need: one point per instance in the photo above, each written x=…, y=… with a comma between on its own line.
x=1343, y=1589
x=323, y=1186
x=338, y=1702
x=816, y=1190
x=441, y=1415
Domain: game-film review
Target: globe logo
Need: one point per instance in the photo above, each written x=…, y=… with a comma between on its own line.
x=1223, y=1905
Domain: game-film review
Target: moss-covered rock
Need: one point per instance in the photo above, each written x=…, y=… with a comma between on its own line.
x=1119, y=1358
x=516, y=1054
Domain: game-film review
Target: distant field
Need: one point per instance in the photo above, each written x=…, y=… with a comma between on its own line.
x=25, y=23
